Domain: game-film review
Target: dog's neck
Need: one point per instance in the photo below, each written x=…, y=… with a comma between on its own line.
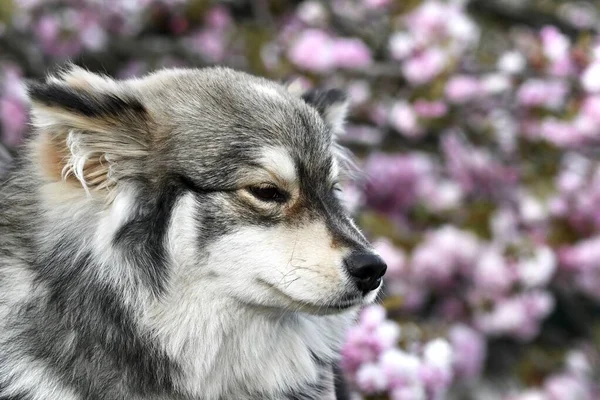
x=230, y=350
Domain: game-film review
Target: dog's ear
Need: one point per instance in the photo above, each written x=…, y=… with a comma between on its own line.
x=90, y=129
x=332, y=104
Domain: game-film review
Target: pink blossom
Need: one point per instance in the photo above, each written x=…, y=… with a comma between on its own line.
x=404, y=119
x=559, y=132
x=429, y=20
x=507, y=317
x=425, y=66
x=567, y=387
x=401, y=45
x=351, y=53
x=430, y=109
x=393, y=182
x=436, y=370
x=591, y=108
x=442, y=254
x=462, y=88
x=313, y=51
x=47, y=30
x=556, y=45
x=475, y=169
x=469, y=351
x=218, y=17
x=495, y=83
x=562, y=67
x=312, y=13
x=359, y=92
x=370, y=378
x=400, y=368
x=376, y=3
x=590, y=79
x=210, y=43
x=538, y=270
x=539, y=93
x=492, y=274
x=512, y=62
x=372, y=316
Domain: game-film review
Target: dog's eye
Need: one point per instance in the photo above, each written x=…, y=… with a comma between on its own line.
x=268, y=193
x=336, y=187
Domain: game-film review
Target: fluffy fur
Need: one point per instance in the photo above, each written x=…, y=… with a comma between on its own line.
x=176, y=236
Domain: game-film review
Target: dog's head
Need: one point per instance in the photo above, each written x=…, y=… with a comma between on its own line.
x=232, y=180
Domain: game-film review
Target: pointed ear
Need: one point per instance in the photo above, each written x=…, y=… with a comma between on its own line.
x=90, y=129
x=332, y=104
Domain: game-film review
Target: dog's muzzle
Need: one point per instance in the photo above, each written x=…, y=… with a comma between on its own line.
x=366, y=270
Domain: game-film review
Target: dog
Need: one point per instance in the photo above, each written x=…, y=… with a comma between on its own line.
x=178, y=236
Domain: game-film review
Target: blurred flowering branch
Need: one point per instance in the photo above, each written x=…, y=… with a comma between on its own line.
x=477, y=126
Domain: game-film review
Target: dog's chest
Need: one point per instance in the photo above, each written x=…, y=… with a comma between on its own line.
x=262, y=357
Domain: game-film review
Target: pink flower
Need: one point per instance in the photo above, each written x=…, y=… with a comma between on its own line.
x=556, y=45
x=409, y=392
x=47, y=30
x=590, y=79
x=386, y=336
x=425, y=66
x=436, y=370
x=93, y=36
x=469, y=349
x=475, y=169
x=506, y=318
x=495, y=84
x=560, y=133
x=359, y=92
x=429, y=20
x=401, y=45
x=210, y=43
x=351, y=53
x=400, y=368
x=591, y=108
x=492, y=273
x=539, y=93
x=442, y=254
x=372, y=316
x=567, y=387
x=462, y=88
x=218, y=18
x=562, y=67
x=376, y=3
x=370, y=379
x=393, y=182
x=312, y=13
x=512, y=62
x=313, y=51
x=538, y=270
x=430, y=109
x=404, y=119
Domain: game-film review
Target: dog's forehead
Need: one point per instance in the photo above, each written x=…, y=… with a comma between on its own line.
x=220, y=108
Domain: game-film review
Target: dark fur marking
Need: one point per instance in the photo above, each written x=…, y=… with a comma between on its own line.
x=142, y=238
x=322, y=99
x=83, y=102
x=341, y=387
x=105, y=352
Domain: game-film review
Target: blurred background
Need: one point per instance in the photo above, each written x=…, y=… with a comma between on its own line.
x=476, y=125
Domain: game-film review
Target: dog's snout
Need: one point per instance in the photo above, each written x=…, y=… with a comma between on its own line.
x=367, y=269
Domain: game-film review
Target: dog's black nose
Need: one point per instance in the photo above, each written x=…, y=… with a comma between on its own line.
x=366, y=269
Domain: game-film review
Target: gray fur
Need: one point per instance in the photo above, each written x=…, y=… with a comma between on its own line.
x=135, y=262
